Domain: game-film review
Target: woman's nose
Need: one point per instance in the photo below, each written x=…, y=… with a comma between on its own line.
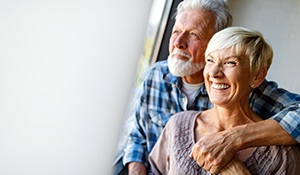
x=215, y=71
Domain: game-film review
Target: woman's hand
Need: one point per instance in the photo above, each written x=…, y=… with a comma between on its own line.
x=235, y=167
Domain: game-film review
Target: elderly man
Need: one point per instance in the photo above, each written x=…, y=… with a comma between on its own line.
x=177, y=85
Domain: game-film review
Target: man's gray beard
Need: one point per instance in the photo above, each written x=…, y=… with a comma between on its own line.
x=182, y=68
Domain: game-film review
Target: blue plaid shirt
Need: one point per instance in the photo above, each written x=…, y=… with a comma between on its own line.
x=161, y=97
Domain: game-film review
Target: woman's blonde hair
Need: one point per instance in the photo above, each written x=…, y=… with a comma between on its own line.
x=247, y=42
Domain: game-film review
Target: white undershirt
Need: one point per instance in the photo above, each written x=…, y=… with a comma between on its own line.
x=190, y=91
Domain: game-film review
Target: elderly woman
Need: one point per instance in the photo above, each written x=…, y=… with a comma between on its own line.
x=237, y=61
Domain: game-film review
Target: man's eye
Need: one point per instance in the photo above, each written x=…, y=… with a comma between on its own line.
x=194, y=35
x=175, y=32
x=208, y=60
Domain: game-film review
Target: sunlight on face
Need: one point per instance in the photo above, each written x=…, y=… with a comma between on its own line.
x=227, y=77
x=190, y=35
x=183, y=68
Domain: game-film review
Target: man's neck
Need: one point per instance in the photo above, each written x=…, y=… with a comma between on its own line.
x=195, y=78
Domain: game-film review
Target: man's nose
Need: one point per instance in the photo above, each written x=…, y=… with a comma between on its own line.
x=180, y=41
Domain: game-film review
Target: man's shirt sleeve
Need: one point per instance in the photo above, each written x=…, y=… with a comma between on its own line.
x=136, y=149
x=269, y=101
x=145, y=132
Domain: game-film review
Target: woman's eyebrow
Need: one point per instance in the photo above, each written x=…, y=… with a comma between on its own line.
x=227, y=57
x=232, y=56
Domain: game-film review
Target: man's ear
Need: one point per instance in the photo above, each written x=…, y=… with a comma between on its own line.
x=259, y=77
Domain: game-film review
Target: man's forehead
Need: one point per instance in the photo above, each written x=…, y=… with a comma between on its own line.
x=200, y=21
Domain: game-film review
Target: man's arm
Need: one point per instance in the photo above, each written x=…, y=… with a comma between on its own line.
x=264, y=133
x=136, y=168
x=136, y=151
x=269, y=101
x=213, y=152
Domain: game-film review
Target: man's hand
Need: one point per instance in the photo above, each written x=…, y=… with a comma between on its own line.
x=136, y=168
x=213, y=152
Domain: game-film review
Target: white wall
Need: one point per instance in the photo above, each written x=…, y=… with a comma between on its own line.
x=279, y=22
x=66, y=70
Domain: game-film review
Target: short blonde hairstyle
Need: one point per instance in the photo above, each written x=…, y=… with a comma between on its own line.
x=245, y=42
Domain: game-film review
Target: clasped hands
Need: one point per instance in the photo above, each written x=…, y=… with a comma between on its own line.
x=214, y=152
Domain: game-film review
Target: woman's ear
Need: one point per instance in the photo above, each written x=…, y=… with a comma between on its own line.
x=259, y=77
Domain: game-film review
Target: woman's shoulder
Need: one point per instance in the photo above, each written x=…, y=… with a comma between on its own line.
x=184, y=116
x=184, y=119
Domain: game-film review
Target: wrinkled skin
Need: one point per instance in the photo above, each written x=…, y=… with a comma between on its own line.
x=213, y=152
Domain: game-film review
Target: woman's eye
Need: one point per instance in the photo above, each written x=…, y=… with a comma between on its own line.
x=231, y=63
